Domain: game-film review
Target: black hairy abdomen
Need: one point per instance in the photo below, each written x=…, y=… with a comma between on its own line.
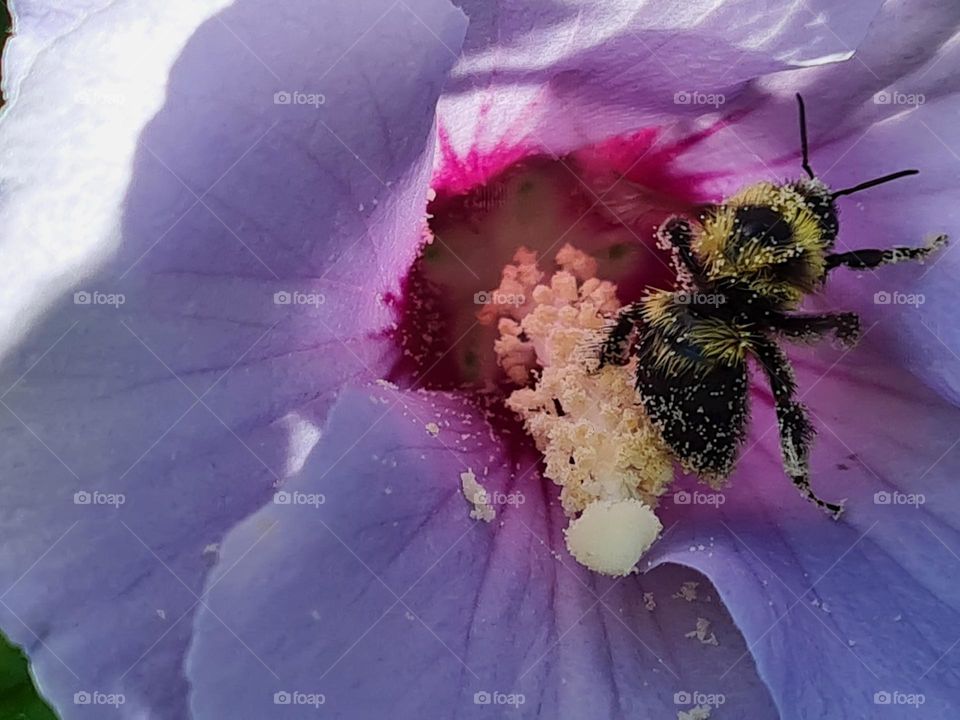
x=700, y=412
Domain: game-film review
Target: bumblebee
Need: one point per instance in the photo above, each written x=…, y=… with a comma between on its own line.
x=743, y=267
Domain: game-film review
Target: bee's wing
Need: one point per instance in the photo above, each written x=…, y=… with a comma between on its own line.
x=701, y=414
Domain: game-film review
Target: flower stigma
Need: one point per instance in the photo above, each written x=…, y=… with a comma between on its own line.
x=597, y=443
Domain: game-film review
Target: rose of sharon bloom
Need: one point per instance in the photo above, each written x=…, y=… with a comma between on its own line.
x=211, y=508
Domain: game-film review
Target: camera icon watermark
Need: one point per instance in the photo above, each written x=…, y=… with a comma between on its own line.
x=883, y=297
x=286, y=297
x=495, y=297
x=297, y=97
x=295, y=497
x=695, y=97
x=95, y=297
x=884, y=497
x=295, y=697
x=896, y=697
x=499, y=698
x=95, y=497
x=894, y=97
x=683, y=497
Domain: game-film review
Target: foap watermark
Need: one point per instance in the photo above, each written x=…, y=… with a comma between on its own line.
x=495, y=297
x=483, y=697
x=295, y=497
x=898, y=498
x=695, y=97
x=95, y=697
x=883, y=297
x=698, y=698
x=95, y=297
x=298, y=97
x=295, y=697
x=101, y=98
x=285, y=297
x=894, y=97
x=501, y=498
x=896, y=697
x=682, y=497
x=699, y=298
x=96, y=497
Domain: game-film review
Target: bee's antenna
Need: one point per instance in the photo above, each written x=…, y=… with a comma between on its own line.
x=872, y=183
x=803, y=138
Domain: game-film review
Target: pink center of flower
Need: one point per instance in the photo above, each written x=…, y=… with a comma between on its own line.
x=605, y=200
x=518, y=271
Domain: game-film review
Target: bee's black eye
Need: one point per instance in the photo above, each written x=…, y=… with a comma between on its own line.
x=767, y=225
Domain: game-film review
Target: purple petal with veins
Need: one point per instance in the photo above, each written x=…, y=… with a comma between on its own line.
x=238, y=198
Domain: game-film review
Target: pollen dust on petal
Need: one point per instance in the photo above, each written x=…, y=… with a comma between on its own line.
x=598, y=445
x=687, y=591
x=700, y=712
x=702, y=632
x=478, y=497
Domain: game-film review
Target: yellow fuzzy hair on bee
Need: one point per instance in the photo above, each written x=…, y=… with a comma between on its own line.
x=726, y=249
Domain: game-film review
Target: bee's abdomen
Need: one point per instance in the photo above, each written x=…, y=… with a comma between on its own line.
x=692, y=380
x=699, y=408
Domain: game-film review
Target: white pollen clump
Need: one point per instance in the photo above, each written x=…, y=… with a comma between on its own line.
x=610, y=537
x=687, y=591
x=702, y=632
x=432, y=428
x=700, y=712
x=597, y=442
x=477, y=496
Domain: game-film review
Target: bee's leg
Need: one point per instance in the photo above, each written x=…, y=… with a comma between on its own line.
x=615, y=347
x=676, y=237
x=866, y=259
x=846, y=326
x=796, y=432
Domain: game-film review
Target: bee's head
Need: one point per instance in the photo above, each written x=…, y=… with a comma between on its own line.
x=774, y=238
x=771, y=238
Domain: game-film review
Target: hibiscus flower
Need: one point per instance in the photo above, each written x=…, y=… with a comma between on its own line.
x=236, y=415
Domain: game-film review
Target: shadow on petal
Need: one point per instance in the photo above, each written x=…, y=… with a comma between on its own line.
x=160, y=398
